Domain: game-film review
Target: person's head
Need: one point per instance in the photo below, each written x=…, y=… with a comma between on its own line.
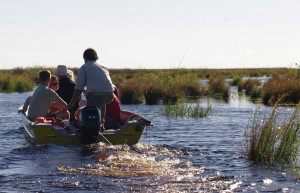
x=62, y=71
x=44, y=76
x=54, y=83
x=90, y=54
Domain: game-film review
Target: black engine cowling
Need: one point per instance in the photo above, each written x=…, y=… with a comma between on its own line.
x=90, y=122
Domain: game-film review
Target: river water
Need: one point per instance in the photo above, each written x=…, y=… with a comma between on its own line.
x=175, y=155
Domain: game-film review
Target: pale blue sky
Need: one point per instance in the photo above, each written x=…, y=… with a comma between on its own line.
x=151, y=33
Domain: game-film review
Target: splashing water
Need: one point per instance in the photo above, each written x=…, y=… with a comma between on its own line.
x=164, y=168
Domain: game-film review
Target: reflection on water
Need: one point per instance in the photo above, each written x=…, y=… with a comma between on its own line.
x=176, y=155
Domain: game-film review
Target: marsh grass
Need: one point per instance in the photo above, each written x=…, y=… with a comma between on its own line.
x=206, y=73
x=9, y=83
x=130, y=93
x=153, y=95
x=155, y=86
x=158, y=88
x=186, y=110
x=218, y=87
x=272, y=143
x=19, y=79
x=250, y=85
x=236, y=80
x=168, y=84
x=279, y=85
x=155, y=89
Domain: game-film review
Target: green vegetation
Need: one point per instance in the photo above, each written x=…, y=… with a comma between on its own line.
x=236, y=80
x=252, y=88
x=218, y=87
x=278, y=85
x=161, y=86
x=154, y=88
x=130, y=92
x=281, y=85
x=272, y=143
x=250, y=85
x=16, y=80
x=186, y=110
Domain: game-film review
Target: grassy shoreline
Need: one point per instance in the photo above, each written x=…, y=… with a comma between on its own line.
x=154, y=86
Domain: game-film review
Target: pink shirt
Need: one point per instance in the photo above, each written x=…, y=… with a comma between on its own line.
x=114, y=110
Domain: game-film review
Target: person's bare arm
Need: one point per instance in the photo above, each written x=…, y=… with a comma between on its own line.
x=76, y=95
x=61, y=104
x=26, y=104
x=54, y=108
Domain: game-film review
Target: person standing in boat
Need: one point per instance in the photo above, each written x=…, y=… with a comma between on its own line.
x=67, y=85
x=113, y=111
x=96, y=78
x=42, y=99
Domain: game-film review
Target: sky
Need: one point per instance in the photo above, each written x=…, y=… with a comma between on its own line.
x=151, y=33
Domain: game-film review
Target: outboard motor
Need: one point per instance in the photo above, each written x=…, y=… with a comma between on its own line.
x=90, y=118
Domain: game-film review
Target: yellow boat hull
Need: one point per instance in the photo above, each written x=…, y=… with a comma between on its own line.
x=129, y=133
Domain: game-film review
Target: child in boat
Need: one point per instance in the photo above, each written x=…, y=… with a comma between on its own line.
x=42, y=99
x=54, y=85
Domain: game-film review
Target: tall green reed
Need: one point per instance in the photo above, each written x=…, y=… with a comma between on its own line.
x=10, y=83
x=272, y=143
x=186, y=110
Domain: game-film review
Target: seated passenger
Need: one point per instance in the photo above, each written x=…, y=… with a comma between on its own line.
x=67, y=85
x=42, y=99
x=113, y=112
x=54, y=85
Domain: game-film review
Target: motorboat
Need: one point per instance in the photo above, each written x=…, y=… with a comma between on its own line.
x=51, y=131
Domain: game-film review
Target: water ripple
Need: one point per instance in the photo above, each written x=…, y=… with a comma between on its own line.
x=176, y=155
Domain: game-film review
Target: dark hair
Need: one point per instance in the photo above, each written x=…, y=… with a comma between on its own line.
x=90, y=54
x=44, y=75
x=53, y=77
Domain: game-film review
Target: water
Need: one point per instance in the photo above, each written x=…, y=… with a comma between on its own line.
x=176, y=155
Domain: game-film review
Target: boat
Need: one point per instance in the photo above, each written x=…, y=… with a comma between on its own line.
x=43, y=132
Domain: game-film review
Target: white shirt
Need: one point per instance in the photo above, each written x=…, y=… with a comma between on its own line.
x=95, y=77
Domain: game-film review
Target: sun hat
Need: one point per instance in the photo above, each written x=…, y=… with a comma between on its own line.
x=62, y=70
x=71, y=76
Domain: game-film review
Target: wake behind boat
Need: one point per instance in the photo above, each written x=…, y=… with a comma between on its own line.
x=130, y=132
